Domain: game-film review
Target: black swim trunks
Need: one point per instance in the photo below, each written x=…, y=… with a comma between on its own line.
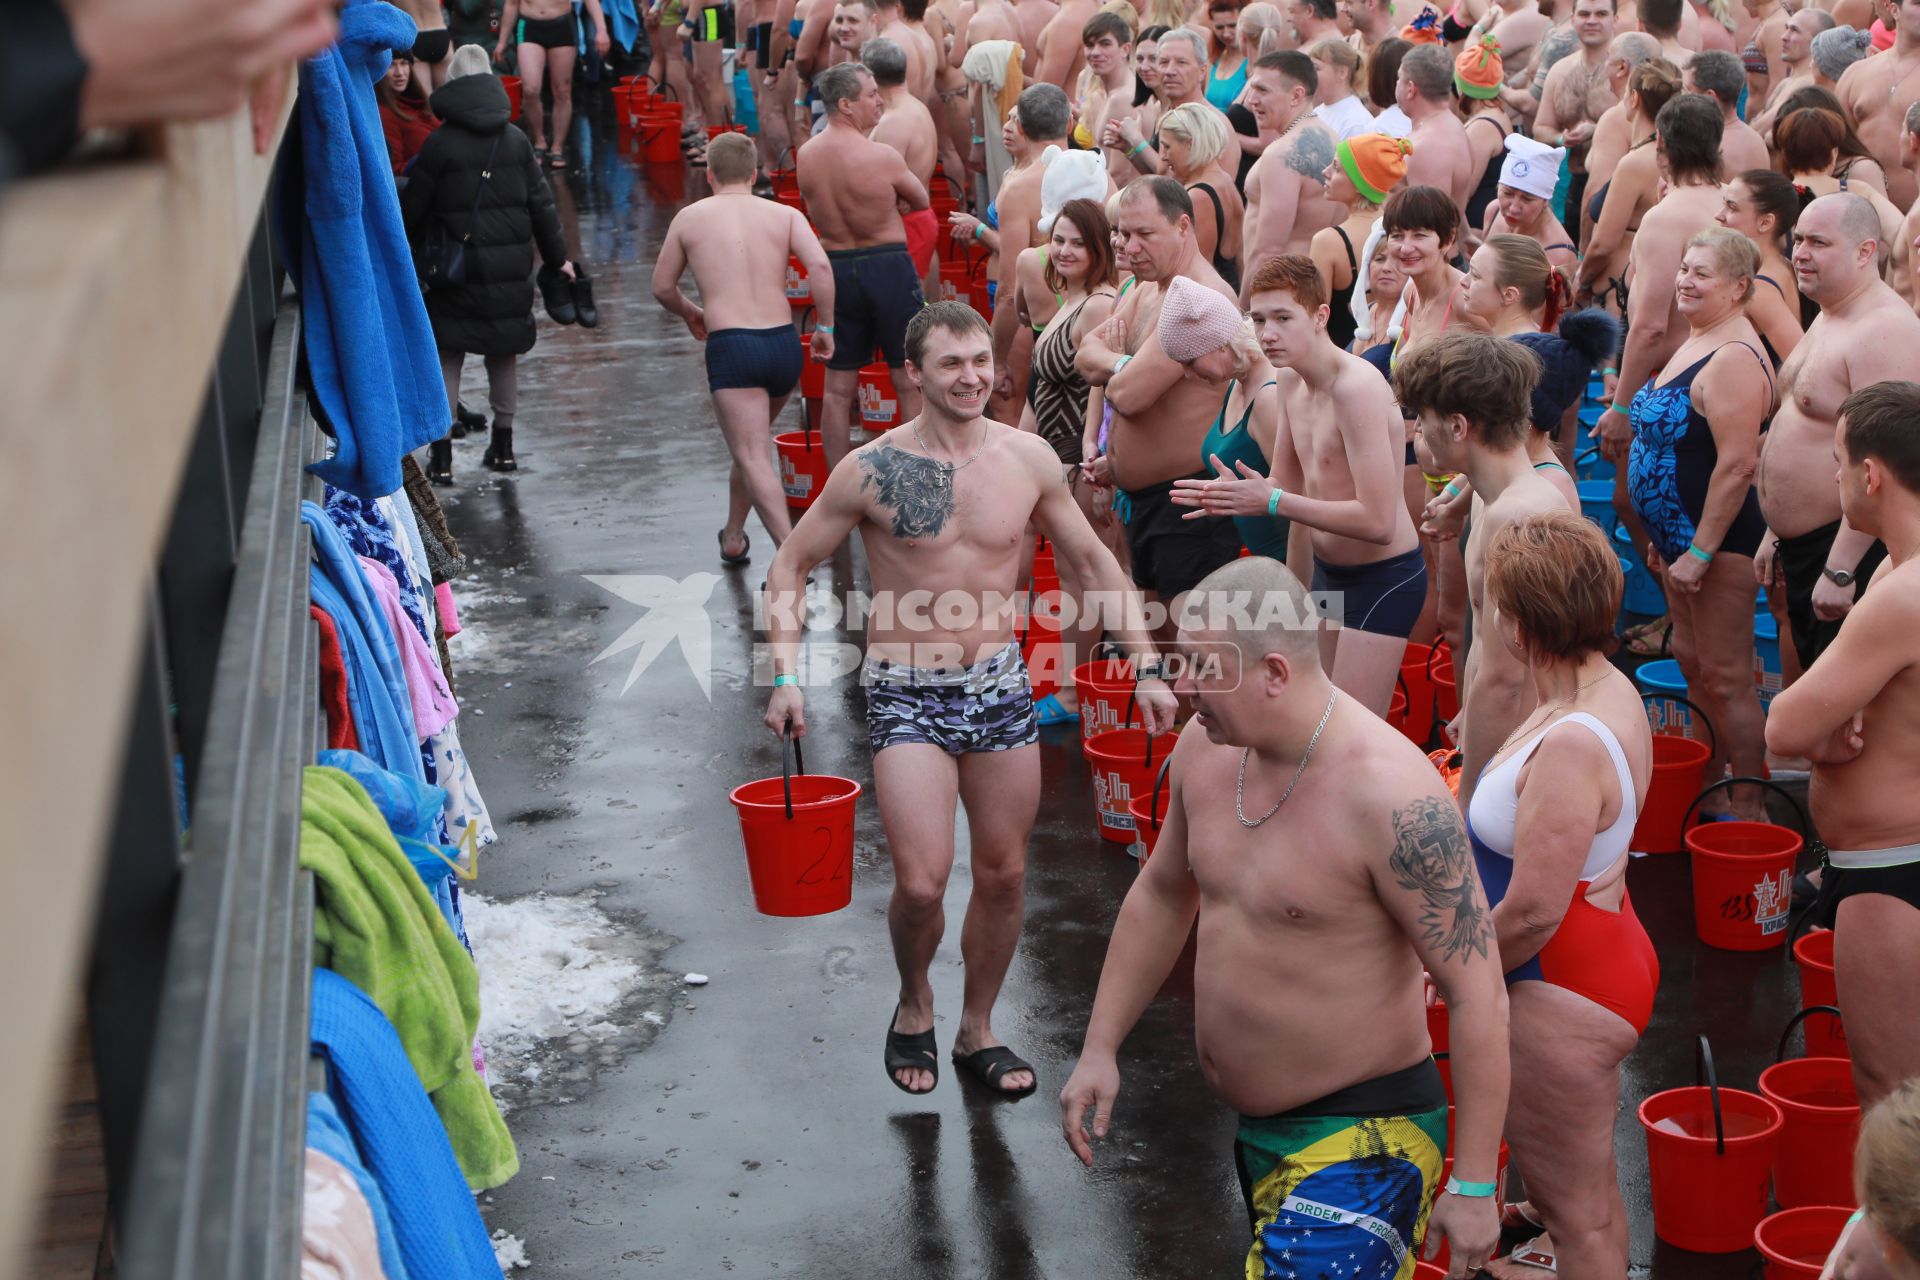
x=761, y=37
x=875, y=293
x=431, y=46
x=1170, y=552
x=1797, y=566
x=714, y=25
x=962, y=710
x=562, y=32
x=1384, y=597
x=765, y=358
x=1894, y=873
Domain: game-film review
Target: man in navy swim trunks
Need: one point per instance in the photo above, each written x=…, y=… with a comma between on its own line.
x=941, y=504
x=738, y=245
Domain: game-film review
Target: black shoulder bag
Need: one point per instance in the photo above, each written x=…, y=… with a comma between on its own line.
x=445, y=262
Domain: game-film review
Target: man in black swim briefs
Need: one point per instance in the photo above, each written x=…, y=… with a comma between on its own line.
x=942, y=500
x=738, y=246
x=549, y=36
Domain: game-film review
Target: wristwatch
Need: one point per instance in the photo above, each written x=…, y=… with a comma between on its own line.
x=1838, y=577
x=1153, y=668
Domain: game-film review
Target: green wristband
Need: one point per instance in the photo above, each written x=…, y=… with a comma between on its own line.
x=823, y=328
x=1138, y=147
x=785, y=679
x=1705, y=557
x=1273, y=501
x=1453, y=488
x=1472, y=1190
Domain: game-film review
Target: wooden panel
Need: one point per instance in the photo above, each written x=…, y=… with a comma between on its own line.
x=115, y=283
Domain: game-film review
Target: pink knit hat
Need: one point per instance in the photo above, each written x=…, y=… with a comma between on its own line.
x=1195, y=320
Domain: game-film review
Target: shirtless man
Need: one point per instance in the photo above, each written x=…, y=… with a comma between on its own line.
x=1578, y=92
x=907, y=126
x=1856, y=715
x=1107, y=44
x=1664, y=20
x=1613, y=132
x=1314, y=21
x=1160, y=416
x=1314, y=929
x=1182, y=58
x=1687, y=138
x=1032, y=17
x=1796, y=64
x=1373, y=21
x=854, y=23
x=1717, y=74
x=1442, y=157
x=854, y=188
x=545, y=57
x=434, y=45
x=1865, y=333
x=1062, y=47
x=1877, y=91
x=942, y=504
x=1286, y=189
x=1472, y=394
x=891, y=23
x=737, y=245
x=1043, y=115
x=1902, y=273
x=1338, y=450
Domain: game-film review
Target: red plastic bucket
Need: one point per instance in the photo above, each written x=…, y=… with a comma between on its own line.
x=1105, y=690
x=1149, y=813
x=793, y=200
x=1419, y=686
x=1814, y=1164
x=1679, y=764
x=1826, y=1034
x=1397, y=712
x=1709, y=1157
x=799, y=288
x=1446, y=691
x=659, y=138
x=1742, y=883
x=1796, y=1242
x=512, y=85
x=1427, y=1271
x=803, y=467
x=784, y=180
x=879, y=402
x=1046, y=575
x=1123, y=763
x=1040, y=646
x=798, y=829
x=1439, y=1031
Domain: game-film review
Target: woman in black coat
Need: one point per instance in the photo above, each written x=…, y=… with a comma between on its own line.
x=477, y=177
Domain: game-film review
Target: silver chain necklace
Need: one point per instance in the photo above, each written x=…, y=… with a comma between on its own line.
x=950, y=466
x=1240, y=787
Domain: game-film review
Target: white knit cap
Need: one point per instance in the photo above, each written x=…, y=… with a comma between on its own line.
x=1195, y=320
x=1069, y=175
x=1532, y=167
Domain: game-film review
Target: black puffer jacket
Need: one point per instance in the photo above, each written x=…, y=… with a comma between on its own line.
x=492, y=313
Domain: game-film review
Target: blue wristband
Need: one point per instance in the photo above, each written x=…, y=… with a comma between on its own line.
x=785, y=679
x=1472, y=1190
x=1273, y=501
x=1705, y=557
x=823, y=328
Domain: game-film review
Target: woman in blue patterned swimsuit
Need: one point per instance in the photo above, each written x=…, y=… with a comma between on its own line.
x=1690, y=474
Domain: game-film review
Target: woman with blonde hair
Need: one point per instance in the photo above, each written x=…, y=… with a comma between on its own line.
x=1882, y=1240
x=1193, y=141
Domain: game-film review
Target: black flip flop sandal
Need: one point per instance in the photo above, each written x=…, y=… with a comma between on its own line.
x=916, y=1052
x=739, y=557
x=989, y=1067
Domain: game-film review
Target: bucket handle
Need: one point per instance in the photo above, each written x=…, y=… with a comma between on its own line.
x=792, y=761
x=1703, y=1073
x=1146, y=761
x=1159, y=783
x=1433, y=651
x=1693, y=708
x=1806, y=828
x=1780, y=1053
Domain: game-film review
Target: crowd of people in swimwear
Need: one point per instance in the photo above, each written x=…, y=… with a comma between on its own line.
x=1300, y=308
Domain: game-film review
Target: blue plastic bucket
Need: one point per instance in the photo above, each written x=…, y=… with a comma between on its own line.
x=1667, y=714
x=1643, y=595
x=1587, y=462
x=1766, y=658
x=1596, y=503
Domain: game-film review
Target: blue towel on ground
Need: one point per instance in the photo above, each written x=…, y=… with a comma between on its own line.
x=376, y=683
x=375, y=371
x=327, y=1134
x=435, y=1220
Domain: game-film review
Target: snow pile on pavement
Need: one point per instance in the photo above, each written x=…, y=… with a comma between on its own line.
x=542, y=977
x=509, y=1251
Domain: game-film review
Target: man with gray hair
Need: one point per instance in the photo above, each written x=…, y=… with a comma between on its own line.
x=1613, y=132
x=1442, y=157
x=1182, y=63
x=1719, y=75
x=1865, y=333
x=855, y=188
x=1796, y=62
x=907, y=126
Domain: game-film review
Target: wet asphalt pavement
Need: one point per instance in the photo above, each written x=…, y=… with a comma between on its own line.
x=755, y=1132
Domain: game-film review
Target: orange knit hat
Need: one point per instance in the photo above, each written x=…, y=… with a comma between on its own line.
x=1424, y=29
x=1374, y=162
x=1477, y=72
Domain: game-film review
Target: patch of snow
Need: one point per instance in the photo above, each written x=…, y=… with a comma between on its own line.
x=697, y=979
x=510, y=1251
x=477, y=592
x=541, y=976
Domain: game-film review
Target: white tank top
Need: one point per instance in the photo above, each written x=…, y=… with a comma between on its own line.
x=1496, y=800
